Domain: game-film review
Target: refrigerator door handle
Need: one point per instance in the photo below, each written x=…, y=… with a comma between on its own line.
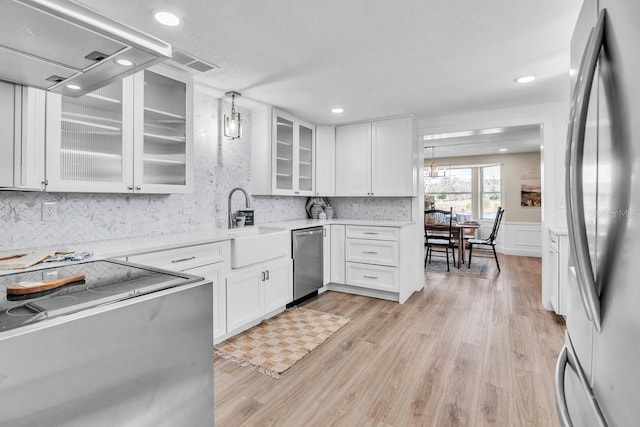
x=575, y=212
x=568, y=357
x=561, y=397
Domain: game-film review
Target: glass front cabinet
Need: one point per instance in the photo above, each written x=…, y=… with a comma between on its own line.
x=293, y=161
x=134, y=135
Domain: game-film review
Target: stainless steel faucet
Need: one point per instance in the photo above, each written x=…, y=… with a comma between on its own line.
x=246, y=199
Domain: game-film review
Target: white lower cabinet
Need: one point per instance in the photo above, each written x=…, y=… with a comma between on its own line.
x=214, y=273
x=210, y=260
x=559, y=271
x=337, y=254
x=372, y=251
x=372, y=257
x=326, y=255
x=244, y=302
x=278, y=286
x=370, y=276
x=372, y=260
x=257, y=292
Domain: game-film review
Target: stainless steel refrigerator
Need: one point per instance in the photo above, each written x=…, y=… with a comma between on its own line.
x=598, y=375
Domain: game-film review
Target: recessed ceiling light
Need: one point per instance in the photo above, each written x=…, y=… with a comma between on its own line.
x=337, y=110
x=166, y=18
x=73, y=87
x=525, y=79
x=502, y=150
x=124, y=62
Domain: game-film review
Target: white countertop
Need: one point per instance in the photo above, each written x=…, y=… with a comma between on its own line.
x=137, y=245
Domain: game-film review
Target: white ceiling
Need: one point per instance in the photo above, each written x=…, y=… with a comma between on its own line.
x=374, y=58
x=479, y=142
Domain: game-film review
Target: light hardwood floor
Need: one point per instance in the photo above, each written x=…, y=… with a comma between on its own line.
x=462, y=352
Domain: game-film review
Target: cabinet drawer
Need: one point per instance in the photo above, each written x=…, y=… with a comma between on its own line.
x=180, y=259
x=373, y=276
x=373, y=232
x=372, y=251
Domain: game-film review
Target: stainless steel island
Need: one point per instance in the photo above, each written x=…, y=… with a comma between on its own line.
x=129, y=346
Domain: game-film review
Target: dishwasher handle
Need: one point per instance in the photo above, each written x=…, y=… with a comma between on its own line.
x=311, y=232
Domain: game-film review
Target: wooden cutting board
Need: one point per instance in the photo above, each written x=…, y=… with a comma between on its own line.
x=17, y=260
x=38, y=287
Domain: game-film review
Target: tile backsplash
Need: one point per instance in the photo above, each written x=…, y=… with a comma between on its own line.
x=219, y=166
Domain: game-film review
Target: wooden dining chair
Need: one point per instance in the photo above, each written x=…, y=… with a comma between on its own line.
x=489, y=241
x=438, y=234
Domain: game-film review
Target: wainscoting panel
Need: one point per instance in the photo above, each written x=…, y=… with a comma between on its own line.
x=516, y=238
x=521, y=238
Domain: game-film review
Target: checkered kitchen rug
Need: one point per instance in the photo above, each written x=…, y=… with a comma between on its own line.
x=277, y=343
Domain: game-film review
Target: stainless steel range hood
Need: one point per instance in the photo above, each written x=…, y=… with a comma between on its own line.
x=51, y=44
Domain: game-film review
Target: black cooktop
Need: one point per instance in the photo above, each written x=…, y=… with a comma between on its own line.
x=106, y=282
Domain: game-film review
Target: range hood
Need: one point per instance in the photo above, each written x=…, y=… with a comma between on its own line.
x=54, y=44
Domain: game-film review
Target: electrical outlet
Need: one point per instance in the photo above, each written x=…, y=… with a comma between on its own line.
x=49, y=211
x=355, y=207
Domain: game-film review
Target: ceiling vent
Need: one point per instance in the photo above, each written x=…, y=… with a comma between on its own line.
x=191, y=61
x=49, y=44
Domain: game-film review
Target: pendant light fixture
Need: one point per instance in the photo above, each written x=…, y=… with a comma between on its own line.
x=433, y=168
x=232, y=121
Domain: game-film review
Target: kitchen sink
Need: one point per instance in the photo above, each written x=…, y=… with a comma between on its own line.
x=256, y=244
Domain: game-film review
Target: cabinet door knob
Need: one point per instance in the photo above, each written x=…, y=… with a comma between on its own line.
x=267, y=274
x=138, y=187
x=130, y=187
x=263, y=276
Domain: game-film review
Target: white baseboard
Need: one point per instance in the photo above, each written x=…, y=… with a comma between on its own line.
x=516, y=238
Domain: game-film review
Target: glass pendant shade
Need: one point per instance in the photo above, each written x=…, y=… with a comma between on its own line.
x=232, y=125
x=232, y=121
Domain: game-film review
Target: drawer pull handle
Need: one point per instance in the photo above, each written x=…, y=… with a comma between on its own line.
x=183, y=259
x=370, y=232
x=370, y=252
x=370, y=277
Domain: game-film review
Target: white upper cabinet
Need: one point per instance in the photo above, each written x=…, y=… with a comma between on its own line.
x=282, y=154
x=134, y=135
x=22, y=120
x=163, y=146
x=325, y=160
x=353, y=160
x=376, y=158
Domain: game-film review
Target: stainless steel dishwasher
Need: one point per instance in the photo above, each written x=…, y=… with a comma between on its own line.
x=307, y=261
